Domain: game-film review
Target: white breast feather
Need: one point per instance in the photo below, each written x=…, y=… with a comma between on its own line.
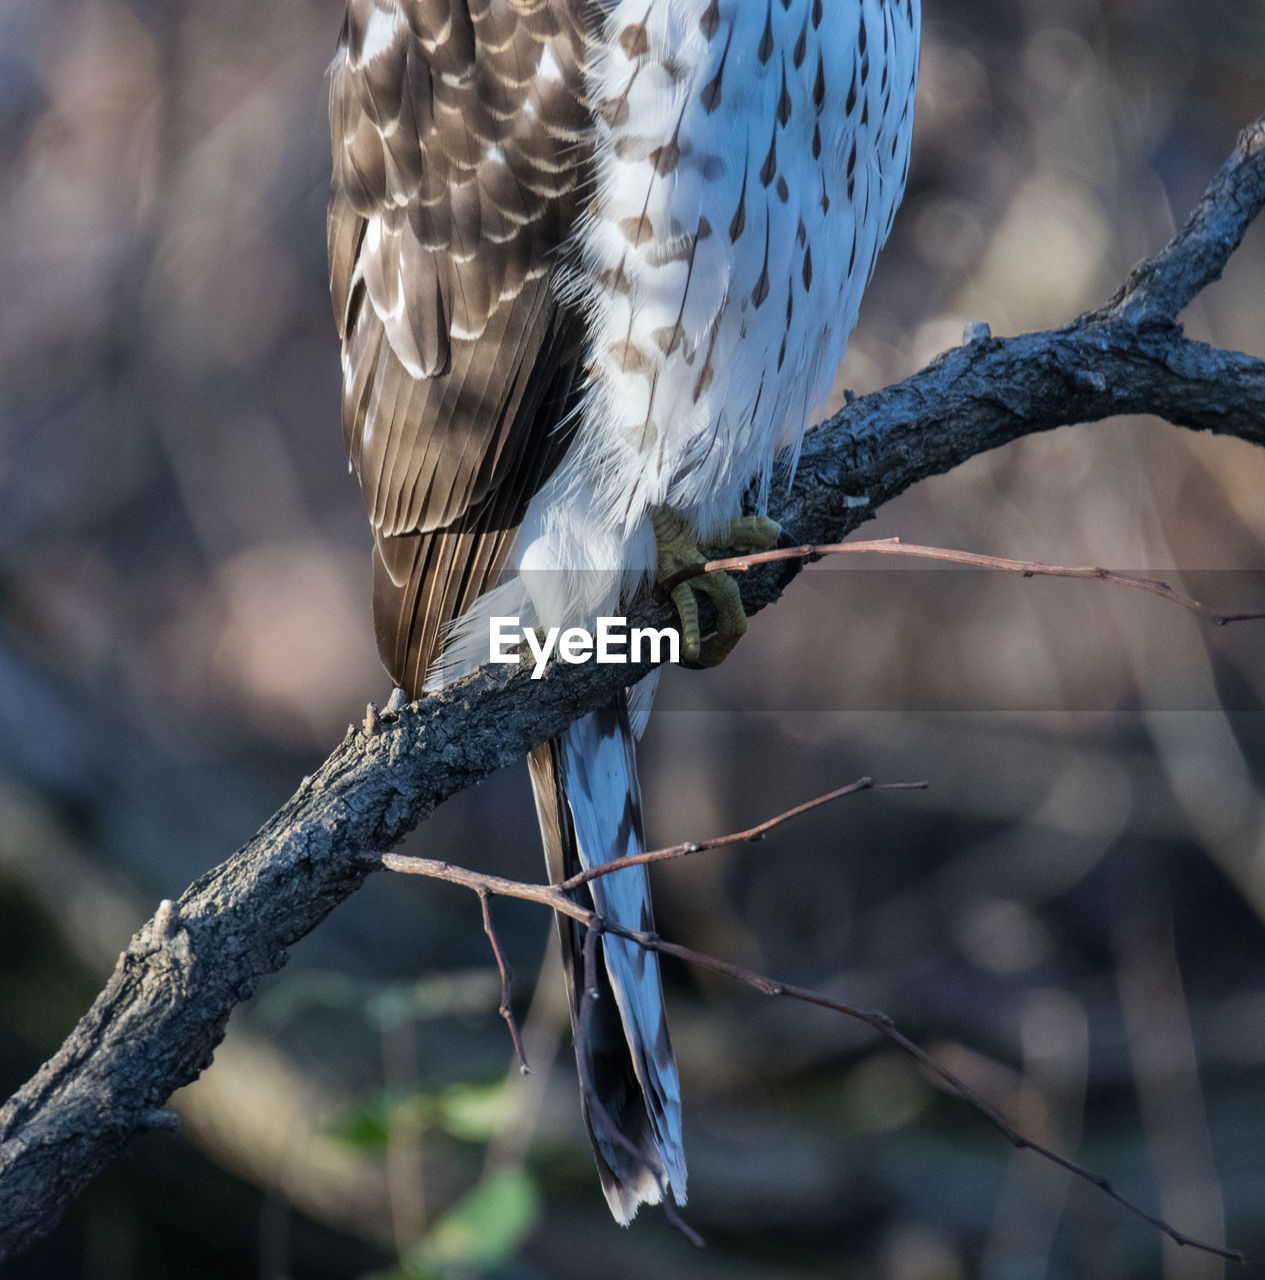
x=719, y=281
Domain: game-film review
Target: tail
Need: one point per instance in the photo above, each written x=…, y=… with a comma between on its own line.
x=589, y=806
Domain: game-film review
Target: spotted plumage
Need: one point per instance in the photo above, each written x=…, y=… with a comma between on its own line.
x=591, y=259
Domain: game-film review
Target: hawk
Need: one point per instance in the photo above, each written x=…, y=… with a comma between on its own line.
x=594, y=264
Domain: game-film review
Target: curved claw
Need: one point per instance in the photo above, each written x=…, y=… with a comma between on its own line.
x=731, y=617
x=678, y=548
x=751, y=533
x=687, y=611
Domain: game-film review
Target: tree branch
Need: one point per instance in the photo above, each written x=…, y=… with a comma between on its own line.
x=156, y=1023
x=1166, y=283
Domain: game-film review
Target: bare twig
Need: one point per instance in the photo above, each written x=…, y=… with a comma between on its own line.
x=507, y=978
x=1028, y=568
x=750, y=836
x=553, y=896
x=673, y=1215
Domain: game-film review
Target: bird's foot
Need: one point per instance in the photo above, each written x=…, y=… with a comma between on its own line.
x=678, y=548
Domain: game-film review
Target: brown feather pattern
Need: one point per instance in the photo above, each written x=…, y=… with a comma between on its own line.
x=457, y=174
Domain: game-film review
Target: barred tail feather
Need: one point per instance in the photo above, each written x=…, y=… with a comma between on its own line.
x=589, y=806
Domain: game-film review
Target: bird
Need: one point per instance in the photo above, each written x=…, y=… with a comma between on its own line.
x=594, y=265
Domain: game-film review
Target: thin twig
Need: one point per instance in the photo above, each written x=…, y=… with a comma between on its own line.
x=506, y=1010
x=673, y=1215
x=1028, y=568
x=750, y=836
x=555, y=896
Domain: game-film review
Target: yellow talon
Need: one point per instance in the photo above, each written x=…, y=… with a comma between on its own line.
x=748, y=534
x=678, y=548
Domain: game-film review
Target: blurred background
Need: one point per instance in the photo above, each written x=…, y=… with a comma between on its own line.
x=1071, y=917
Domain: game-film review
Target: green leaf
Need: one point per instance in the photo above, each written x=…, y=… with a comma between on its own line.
x=475, y=1112
x=367, y=1123
x=483, y=1228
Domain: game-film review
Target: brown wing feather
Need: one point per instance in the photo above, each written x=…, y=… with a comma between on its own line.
x=457, y=173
